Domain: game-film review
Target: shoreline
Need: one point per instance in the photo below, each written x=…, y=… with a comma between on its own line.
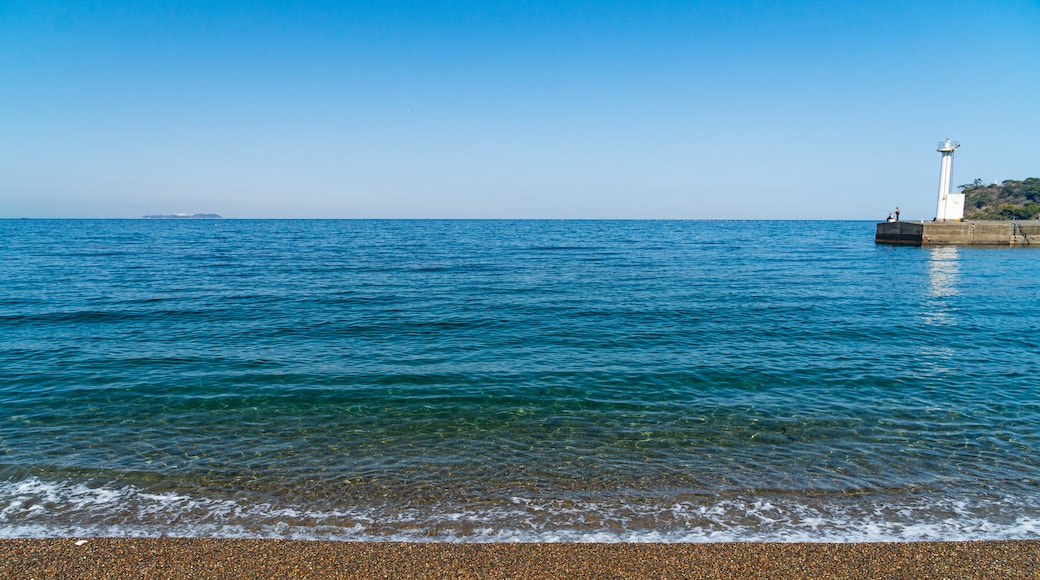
x=238, y=558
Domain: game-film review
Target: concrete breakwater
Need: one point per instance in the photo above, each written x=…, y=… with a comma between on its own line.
x=960, y=233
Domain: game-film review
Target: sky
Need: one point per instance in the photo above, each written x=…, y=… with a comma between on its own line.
x=656, y=109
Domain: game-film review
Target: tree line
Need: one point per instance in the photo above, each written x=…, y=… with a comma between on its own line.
x=1019, y=200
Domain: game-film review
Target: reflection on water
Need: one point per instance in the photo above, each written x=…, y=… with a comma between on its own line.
x=943, y=272
x=937, y=359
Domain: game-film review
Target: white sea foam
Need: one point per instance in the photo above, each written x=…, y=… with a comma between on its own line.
x=37, y=508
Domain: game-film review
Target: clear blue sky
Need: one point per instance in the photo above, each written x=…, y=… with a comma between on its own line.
x=650, y=109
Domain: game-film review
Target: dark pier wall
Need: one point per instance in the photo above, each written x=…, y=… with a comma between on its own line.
x=966, y=233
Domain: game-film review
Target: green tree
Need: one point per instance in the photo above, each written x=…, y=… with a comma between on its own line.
x=976, y=183
x=1010, y=199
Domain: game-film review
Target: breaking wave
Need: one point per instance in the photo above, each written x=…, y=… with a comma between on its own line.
x=37, y=508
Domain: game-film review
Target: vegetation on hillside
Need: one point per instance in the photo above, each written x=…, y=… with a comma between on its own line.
x=1011, y=199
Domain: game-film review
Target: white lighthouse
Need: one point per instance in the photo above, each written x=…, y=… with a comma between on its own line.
x=951, y=205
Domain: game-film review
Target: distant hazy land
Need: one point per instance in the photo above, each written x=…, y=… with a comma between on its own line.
x=183, y=216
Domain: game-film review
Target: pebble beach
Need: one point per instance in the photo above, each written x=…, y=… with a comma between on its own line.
x=104, y=558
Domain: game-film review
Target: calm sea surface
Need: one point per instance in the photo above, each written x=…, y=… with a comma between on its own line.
x=514, y=381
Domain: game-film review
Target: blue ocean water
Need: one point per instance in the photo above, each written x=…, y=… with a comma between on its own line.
x=514, y=381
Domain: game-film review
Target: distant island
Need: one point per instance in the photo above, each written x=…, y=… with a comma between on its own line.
x=1010, y=200
x=184, y=216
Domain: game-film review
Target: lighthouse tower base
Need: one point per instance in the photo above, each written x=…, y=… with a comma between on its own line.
x=966, y=233
x=951, y=208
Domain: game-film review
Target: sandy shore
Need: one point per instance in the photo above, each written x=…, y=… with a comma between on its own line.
x=202, y=558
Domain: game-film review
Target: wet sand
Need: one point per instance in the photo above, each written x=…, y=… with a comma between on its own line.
x=209, y=558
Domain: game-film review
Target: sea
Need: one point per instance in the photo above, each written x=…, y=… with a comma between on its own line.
x=514, y=381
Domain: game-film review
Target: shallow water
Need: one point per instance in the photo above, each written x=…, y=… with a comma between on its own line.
x=514, y=380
